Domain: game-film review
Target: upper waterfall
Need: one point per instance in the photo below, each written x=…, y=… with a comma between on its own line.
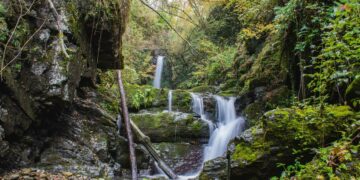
x=158, y=72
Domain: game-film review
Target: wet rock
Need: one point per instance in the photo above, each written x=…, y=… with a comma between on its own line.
x=3, y=144
x=249, y=134
x=210, y=107
x=12, y=118
x=183, y=158
x=215, y=169
x=253, y=112
x=2, y=133
x=32, y=173
x=44, y=35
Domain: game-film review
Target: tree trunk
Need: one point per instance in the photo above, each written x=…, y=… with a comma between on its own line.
x=127, y=126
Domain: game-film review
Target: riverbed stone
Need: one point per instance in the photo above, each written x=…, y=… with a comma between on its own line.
x=183, y=158
x=215, y=169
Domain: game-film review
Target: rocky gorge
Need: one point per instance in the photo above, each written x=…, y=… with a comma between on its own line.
x=218, y=90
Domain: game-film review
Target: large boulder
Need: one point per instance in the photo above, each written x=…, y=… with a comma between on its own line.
x=172, y=127
x=283, y=134
x=215, y=169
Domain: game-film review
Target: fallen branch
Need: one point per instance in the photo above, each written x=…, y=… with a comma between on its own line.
x=127, y=126
x=145, y=140
x=61, y=34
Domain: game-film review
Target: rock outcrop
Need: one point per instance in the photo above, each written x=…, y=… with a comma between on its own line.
x=44, y=122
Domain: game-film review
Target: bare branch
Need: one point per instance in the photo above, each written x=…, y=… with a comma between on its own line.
x=181, y=17
x=12, y=34
x=166, y=21
x=22, y=48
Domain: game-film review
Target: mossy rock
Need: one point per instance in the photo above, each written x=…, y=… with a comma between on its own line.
x=307, y=127
x=171, y=127
x=286, y=131
x=255, y=157
x=215, y=169
x=228, y=93
x=203, y=89
x=253, y=112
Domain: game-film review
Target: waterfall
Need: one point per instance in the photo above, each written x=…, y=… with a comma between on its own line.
x=158, y=73
x=228, y=127
x=170, y=101
x=198, y=108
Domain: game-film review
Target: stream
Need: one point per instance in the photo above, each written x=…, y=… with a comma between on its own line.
x=223, y=128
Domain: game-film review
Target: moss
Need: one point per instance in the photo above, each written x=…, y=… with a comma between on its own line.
x=308, y=127
x=253, y=112
x=165, y=127
x=339, y=111
x=196, y=126
x=244, y=152
x=203, y=88
x=3, y=29
x=227, y=93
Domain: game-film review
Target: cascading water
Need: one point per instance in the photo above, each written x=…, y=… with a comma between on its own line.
x=170, y=101
x=158, y=72
x=198, y=108
x=228, y=126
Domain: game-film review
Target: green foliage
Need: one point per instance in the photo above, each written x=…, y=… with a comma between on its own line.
x=2, y=9
x=338, y=161
x=217, y=67
x=222, y=24
x=338, y=64
x=3, y=30
x=285, y=15
x=140, y=96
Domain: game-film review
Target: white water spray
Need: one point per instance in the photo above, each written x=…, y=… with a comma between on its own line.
x=158, y=73
x=228, y=127
x=170, y=101
x=198, y=108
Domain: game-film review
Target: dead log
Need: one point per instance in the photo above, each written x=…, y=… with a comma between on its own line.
x=126, y=118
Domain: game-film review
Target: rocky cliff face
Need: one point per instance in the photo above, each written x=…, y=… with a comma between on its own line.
x=44, y=122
